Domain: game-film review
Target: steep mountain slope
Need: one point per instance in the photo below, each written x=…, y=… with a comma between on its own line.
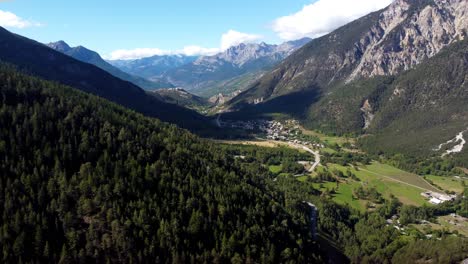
x=152, y=67
x=422, y=108
x=181, y=97
x=87, y=181
x=233, y=86
x=85, y=55
x=37, y=59
x=210, y=71
x=412, y=112
x=382, y=43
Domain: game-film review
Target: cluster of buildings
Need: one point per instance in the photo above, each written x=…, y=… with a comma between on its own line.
x=437, y=198
x=288, y=131
x=276, y=131
x=273, y=129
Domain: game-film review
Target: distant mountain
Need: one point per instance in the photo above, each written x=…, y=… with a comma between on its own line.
x=37, y=59
x=152, y=67
x=220, y=99
x=231, y=86
x=208, y=72
x=60, y=45
x=83, y=54
x=181, y=97
x=379, y=75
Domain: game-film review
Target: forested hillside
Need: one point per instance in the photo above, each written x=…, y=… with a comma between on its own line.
x=85, y=180
x=421, y=108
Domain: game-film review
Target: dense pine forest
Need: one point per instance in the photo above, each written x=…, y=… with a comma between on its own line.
x=86, y=180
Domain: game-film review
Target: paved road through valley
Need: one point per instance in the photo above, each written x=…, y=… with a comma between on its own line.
x=315, y=153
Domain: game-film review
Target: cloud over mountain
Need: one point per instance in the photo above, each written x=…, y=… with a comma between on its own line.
x=228, y=39
x=323, y=16
x=234, y=38
x=8, y=19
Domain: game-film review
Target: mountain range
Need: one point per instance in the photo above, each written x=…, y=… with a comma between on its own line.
x=85, y=55
x=227, y=72
x=350, y=80
x=153, y=67
x=236, y=63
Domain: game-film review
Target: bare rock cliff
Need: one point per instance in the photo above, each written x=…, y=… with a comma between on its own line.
x=406, y=34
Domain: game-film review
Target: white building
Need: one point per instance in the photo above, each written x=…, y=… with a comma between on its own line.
x=434, y=200
x=437, y=198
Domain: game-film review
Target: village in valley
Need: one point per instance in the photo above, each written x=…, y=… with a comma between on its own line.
x=287, y=131
x=290, y=133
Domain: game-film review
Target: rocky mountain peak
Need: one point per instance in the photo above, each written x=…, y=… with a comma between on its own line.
x=408, y=32
x=246, y=52
x=60, y=45
x=79, y=52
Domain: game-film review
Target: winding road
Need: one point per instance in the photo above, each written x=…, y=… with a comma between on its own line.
x=297, y=146
x=317, y=158
x=315, y=153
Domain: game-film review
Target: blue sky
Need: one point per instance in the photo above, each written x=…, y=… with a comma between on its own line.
x=168, y=26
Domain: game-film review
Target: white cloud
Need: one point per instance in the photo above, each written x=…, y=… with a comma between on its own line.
x=8, y=19
x=233, y=38
x=197, y=50
x=228, y=39
x=324, y=16
x=123, y=54
x=132, y=54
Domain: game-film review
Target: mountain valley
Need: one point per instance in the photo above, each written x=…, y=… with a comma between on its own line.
x=344, y=143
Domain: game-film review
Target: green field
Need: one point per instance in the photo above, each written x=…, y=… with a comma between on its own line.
x=459, y=224
x=343, y=190
x=448, y=183
x=327, y=150
x=275, y=168
x=329, y=140
x=387, y=180
x=390, y=172
x=446, y=222
x=344, y=193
